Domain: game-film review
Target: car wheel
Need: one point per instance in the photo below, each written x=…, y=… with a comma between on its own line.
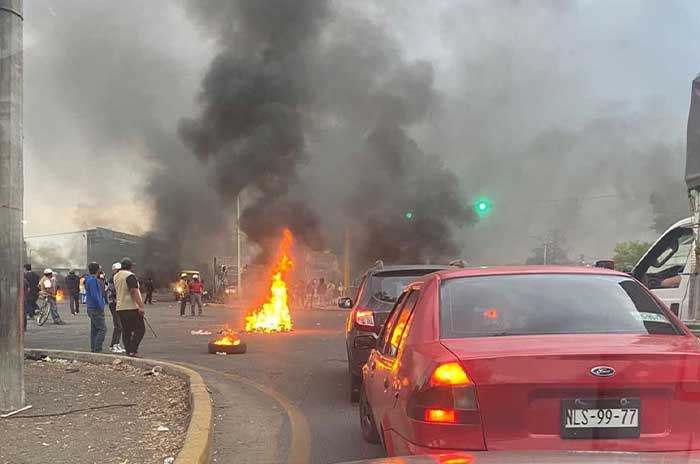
x=369, y=428
x=355, y=385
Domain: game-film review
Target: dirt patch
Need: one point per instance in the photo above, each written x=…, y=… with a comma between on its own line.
x=131, y=428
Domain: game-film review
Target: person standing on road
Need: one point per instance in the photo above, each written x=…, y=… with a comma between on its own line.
x=149, y=287
x=311, y=293
x=32, y=279
x=321, y=291
x=47, y=289
x=196, y=288
x=26, y=298
x=130, y=307
x=114, y=346
x=185, y=284
x=73, y=287
x=95, y=304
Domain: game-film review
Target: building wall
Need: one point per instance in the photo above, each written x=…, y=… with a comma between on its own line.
x=106, y=247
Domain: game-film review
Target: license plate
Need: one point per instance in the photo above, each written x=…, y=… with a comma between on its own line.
x=600, y=418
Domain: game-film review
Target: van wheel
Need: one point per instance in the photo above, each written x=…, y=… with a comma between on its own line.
x=355, y=385
x=369, y=428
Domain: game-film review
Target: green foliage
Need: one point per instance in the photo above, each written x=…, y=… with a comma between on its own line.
x=628, y=253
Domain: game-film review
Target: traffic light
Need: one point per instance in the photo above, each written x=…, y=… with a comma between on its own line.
x=408, y=215
x=482, y=206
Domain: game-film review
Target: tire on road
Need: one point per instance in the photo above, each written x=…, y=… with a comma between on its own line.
x=228, y=349
x=369, y=428
x=355, y=385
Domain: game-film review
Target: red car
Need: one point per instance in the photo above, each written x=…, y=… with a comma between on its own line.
x=531, y=358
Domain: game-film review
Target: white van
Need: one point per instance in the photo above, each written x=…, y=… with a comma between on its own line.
x=665, y=267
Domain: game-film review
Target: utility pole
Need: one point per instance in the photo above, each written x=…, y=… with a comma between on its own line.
x=11, y=199
x=239, y=287
x=346, y=260
x=544, y=251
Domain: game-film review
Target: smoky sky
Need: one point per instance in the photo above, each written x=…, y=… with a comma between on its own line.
x=328, y=115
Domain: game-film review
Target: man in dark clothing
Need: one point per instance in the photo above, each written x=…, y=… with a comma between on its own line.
x=73, y=287
x=115, y=346
x=32, y=282
x=149, y=291
x=95, y=305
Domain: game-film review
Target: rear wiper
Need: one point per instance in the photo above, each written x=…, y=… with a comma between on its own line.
x=502, y=334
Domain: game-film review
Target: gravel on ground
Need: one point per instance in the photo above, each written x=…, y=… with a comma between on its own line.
x=86, y=413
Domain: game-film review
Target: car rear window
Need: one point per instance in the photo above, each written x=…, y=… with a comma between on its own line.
x=386, y=286
x=549, y=304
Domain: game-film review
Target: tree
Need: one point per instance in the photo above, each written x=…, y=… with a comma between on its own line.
x=628, y=253
x=552, y=250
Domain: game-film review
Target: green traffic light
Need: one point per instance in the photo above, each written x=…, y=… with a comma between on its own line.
x=482, y=206
x=409, y=215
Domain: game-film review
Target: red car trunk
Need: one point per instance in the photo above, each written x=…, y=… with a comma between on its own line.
x=522, y=380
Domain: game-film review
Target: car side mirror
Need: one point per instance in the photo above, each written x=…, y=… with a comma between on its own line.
x=345, y=302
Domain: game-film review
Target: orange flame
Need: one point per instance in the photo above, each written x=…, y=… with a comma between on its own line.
x=229, y=339
x=59, y=296
x=274, y=315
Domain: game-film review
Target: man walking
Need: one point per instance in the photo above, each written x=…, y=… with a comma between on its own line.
x=47, y=289
x=95, y=305
x=196, y=288
x=149, y=291
x=130, y=307
x=32, y=282
x=73, y=287
x=185, y=284
x=115, y=346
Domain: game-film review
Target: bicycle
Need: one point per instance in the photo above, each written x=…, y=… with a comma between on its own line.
x=44, y=309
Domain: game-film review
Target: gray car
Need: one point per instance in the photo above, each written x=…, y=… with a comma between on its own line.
x=377, y=293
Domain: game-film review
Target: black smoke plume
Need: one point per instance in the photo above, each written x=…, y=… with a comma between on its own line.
x=250, y=131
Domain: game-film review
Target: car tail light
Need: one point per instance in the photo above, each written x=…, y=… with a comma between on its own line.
x=364, y=318
x=448, y=397
x=440, y=415
x=449, y=374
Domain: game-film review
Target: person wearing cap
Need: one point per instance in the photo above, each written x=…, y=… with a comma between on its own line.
x=130, y=307
x=185, y=284
x=47, y=289
x=95, y=305
x=196, y=288
x=115, y=346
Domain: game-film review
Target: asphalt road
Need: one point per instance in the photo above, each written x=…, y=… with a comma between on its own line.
x=307, y=367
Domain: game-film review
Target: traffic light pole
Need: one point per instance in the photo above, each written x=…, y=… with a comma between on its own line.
x=11, y=212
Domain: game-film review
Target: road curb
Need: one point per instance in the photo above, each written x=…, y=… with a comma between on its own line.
x=198, y=440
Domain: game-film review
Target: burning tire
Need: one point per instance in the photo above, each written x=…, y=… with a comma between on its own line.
x=228, y=349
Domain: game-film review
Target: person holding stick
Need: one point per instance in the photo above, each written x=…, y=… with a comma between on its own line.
x=130, y=307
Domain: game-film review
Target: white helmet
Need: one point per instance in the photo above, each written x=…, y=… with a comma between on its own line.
x=184, y=274
x=195, y=277
x=116, y=266
x=48, y=271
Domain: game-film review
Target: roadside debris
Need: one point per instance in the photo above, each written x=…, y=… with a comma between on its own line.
x=162, y=428
x=200, y=332
x=156, y=370
x=12, y=413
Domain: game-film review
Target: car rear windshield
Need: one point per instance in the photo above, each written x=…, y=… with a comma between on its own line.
x=386, y=286
x=549, y=304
